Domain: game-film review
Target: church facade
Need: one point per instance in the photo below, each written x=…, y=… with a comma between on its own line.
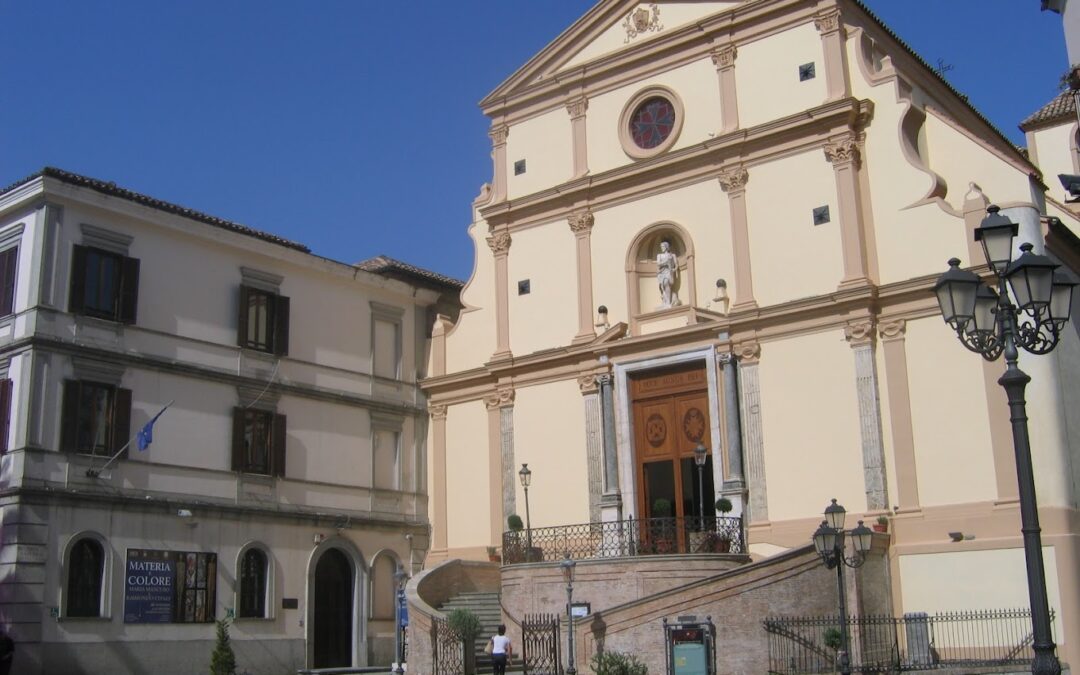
x=719, y=223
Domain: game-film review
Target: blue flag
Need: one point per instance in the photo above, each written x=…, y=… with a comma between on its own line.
x=146, y=435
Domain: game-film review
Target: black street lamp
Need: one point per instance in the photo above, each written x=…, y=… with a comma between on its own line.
x=526, y=477
x=987, y=322
x=829, y=543
x=567, y=566
x=701, y=453
x=400, y=579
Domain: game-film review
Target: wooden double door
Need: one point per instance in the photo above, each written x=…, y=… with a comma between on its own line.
x=671, y=418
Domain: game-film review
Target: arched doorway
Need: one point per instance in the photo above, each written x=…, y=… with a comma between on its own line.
x=332, y=618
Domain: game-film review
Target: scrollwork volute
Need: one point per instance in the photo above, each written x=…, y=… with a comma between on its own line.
x=859, y=332
x=892, y=329
x=503, y=397
x=748, y=352
x=588, y=384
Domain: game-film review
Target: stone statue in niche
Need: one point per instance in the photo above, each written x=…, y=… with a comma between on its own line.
x=667, y=275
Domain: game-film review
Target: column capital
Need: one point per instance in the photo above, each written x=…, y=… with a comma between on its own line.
x=588, y=384
x=581, y=222
x=498, y=134
x=859, y=332
x=843, y=150
x=499, y=243
x=503, y=397
x=892, y=329
x=437, y=411
x=734, y=179
x=748, y=352
x=723, y=57
x=603, y=379
x=724, y=355
x=828, y=22
x=577, y=107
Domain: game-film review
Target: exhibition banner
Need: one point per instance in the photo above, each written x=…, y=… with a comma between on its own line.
x=169, y=586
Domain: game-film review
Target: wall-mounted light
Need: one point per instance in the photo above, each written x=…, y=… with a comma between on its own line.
x=318, y=538
x=720, y=299
x=602, y=317
x=960, y=536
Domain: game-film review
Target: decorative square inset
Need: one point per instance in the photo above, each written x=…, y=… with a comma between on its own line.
x=807, y=72
x=519, y=167
x=821, y=215
x=523, y=287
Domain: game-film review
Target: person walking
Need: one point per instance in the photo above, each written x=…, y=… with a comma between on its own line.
x=501, y=651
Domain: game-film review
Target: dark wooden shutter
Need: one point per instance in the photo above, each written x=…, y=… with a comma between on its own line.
x=242, y=319
x=5, y=413
x=77, y=294
x=281, y=325
x=129, y=289
x=278, y=442
x=238, y=439
x=8, y=265
x=69, y=416
x=121, y=420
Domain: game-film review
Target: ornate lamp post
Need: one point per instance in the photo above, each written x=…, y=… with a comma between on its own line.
x=526, y=477
x=988, y=323
x=829, y=543
x=400, y=578
x=701, y=453
x=567, y=566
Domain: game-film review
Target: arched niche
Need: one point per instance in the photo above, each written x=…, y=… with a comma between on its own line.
x=642, y=288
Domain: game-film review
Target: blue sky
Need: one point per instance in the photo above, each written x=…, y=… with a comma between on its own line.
x=353, y=126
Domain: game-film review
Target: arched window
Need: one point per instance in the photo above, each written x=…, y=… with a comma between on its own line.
x=85, y=570
x=253, y=579
x=382, y=587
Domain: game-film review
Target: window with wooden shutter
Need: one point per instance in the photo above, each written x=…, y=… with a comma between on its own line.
x=77, y=295
x=121, y=421
x=258, y=442
x=104, y=284
x=129, y=289
x=8, y=267
x=95, y=418
x=278, y=441
x=238, y=440
x=281, y=326
x=263, y=323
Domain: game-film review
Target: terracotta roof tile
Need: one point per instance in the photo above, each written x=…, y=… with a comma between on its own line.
x=387, y=266
x=1061, y=107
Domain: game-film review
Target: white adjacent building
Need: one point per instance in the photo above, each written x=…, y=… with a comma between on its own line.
x=284, y=485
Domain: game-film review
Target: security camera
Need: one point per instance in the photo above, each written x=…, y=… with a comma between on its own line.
x=1071, y=183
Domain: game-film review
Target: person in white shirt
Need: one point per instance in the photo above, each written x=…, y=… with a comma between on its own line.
x=501, y=651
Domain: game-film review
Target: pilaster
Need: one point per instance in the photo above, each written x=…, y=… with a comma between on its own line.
x=577, y=108
x=438, y=477
x=860, y=335
x=844, y=154
x=733, y=182
x=581, y=224
x=499, y=243
x=734, y=478
x=502, y=479
x=594, y=442
x=892, y=335
x=498, y=134
x=833, y=36
x=749, y=355
x=723, y=58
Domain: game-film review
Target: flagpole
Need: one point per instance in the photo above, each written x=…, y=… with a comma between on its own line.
x=94, y=473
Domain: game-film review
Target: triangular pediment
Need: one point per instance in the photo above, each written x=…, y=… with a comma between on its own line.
x=611, y=26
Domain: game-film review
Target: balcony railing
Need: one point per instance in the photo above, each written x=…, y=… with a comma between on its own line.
x=648, y=536
x=885, y=644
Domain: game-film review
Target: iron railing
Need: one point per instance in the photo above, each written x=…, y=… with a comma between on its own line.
x=540, y=644
x=918, y=641
x=447, y=649
x=648, y=536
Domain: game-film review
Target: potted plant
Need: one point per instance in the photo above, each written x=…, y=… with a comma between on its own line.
x=493, y=554
x=513, y=548
x=662, y=526
x=882, y=524
x=466, y=627
x=719, y=540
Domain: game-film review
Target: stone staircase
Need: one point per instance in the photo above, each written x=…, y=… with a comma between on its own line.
x=486, y=607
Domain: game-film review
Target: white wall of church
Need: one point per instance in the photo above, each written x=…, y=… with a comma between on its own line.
x=467, y=512
x=1055, y=149
x=546, y=316
x=767, y=75
x=783, y=236
x=471, y=341
x=810, y=440
x=544, y=143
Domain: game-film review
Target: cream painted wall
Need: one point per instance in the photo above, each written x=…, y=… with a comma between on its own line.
x=700, y=209
x=672, y=14
x=546, y=316
x=951, y=426
x=1054, y=148
x=1047, y=414
x=783, y=236
x=549, y=436
x=697, y=86
x=471, y=342
x=767, y=75
x=813, y=450
x=331, y=443
x=467, y=515
x=544, y=142
x=974, y=580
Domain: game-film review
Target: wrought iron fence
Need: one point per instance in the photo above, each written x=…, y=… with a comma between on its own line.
x=885, y=644
x=647, y=536
x=448, y=655
x=540, y=644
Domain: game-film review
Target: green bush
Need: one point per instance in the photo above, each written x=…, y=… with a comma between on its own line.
x=223, y=660
x=514, y=521
x=616, y=663
x=465, y=624
x=723, y=505
x=661, y=508
x=833, y=638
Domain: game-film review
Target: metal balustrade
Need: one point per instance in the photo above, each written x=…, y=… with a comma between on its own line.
x=647, y=536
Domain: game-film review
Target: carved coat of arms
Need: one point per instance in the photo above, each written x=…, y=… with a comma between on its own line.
x=642, y=20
